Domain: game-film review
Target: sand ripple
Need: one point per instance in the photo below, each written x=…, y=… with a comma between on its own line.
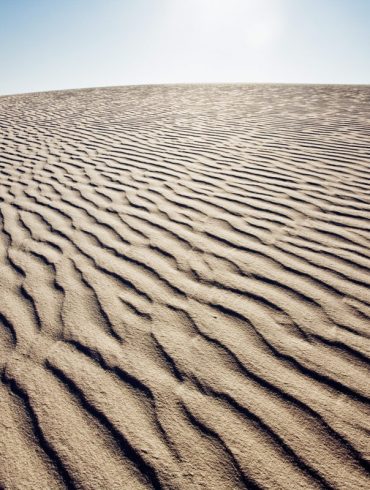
x=184, y=288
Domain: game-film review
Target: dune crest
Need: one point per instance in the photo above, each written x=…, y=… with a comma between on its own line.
x=184, y=288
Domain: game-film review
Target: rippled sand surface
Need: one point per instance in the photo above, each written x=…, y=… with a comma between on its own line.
x=184, y=288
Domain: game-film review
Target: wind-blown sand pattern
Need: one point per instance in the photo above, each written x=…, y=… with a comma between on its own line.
x=184, y=288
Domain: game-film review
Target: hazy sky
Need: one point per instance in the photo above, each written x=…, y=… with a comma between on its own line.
x=56, y=44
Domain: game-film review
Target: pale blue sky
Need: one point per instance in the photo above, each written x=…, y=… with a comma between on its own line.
x=58, y=44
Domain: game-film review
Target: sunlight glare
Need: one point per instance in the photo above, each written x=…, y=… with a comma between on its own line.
x=253, y=23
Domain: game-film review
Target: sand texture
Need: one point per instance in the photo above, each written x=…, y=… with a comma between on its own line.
x=184, y=288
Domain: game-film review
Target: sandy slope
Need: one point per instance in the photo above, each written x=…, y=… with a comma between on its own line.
x=184, y=288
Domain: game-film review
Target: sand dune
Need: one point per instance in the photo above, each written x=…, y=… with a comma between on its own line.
x=184, y=288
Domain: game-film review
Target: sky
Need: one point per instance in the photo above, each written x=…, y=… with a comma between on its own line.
x=61, y=44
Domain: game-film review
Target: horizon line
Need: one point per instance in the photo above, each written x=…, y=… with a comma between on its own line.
x=173, y=84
